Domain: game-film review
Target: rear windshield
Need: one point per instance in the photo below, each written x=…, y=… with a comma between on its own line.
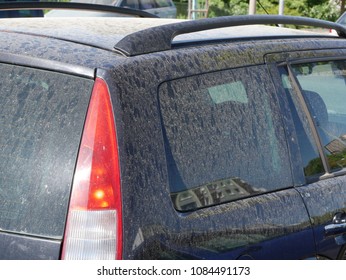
x=41, y=120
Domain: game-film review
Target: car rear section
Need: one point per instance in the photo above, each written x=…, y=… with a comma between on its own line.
x=60, y=177
x=42, y=119
x=114, y=150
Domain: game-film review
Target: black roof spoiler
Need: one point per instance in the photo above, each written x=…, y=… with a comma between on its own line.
x=9, y=6
x=160, y=38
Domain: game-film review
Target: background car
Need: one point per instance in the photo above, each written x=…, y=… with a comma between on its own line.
x=160, y=8
x=20, y=13
x=342, y=19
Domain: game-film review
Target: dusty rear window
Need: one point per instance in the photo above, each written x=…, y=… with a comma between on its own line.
x=224, y=137
x=42, y=115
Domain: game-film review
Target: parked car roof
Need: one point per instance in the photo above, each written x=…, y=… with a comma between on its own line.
x=107, y=32
x=102, y=32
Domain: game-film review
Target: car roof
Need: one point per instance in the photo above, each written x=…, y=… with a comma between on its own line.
x=94, y=31
x=106, y=33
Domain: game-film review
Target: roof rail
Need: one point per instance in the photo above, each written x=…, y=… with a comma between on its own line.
x=160, y=38
x=31, y=5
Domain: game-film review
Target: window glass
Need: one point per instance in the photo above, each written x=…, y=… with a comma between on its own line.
x=224, y=137
x=133, y=4
x=42, y=115
x=324, y=90
x=310, y=157
x=147, y=4
x=163, y=3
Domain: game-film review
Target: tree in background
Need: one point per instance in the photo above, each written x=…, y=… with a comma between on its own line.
x=228, y=7
x=340, y=4
x=321, y=9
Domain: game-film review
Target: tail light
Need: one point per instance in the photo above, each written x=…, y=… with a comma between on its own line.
x=94, y=221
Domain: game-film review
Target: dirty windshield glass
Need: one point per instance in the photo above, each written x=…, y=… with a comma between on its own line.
x=42, y=115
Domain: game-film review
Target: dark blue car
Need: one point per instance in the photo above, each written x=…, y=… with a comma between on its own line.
x=120, y=139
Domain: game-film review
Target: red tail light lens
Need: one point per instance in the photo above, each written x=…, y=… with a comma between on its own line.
x=94, y=223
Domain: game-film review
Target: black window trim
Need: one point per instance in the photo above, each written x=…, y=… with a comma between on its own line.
x=45, y=64
x=298, y=90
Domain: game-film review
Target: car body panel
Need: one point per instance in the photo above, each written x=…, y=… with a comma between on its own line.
x=324, y=200
x=19, y=247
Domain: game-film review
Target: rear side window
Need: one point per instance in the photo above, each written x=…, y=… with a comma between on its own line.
x=324, y=89
x=224, y=137
x=42, y=115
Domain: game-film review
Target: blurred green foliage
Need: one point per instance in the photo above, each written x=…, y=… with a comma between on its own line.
x=321, y=9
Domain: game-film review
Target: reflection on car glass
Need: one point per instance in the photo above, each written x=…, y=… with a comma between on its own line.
x=234, y=91
x=337, y=145
x=213, y=193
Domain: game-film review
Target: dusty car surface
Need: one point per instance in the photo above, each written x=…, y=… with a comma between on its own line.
x=135, y=138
